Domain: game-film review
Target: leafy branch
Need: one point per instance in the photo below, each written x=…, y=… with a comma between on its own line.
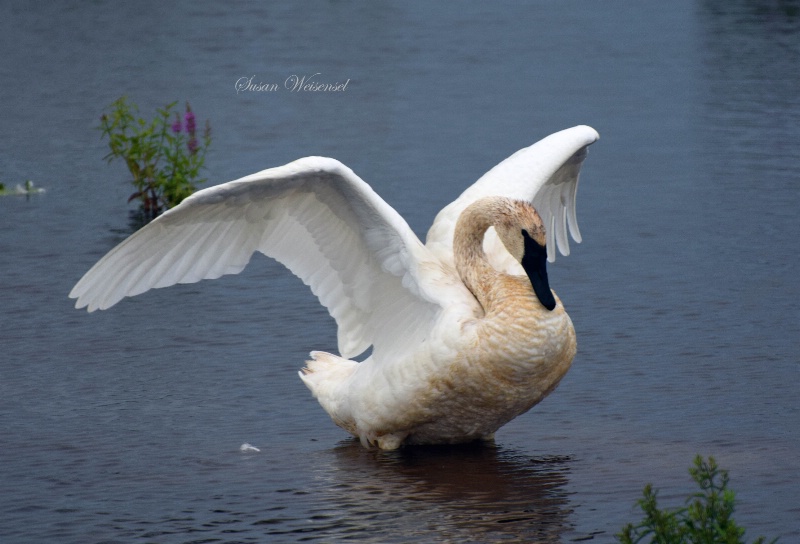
x=707, y=517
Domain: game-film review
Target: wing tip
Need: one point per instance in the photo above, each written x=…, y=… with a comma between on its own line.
x=82, y=303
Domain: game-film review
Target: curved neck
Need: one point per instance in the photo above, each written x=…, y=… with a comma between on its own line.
x=472, y=266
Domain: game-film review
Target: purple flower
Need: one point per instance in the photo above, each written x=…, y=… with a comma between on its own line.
x=190, y=124
x=176, y=126
x=192, y=145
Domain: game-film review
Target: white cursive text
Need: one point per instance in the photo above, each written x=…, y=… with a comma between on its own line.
x=298, y=84
x=246, y=84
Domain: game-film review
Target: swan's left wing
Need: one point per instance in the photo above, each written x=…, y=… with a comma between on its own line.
x=316, y=217
x=545, y=174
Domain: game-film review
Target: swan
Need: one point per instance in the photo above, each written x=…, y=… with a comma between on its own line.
x=465, y=331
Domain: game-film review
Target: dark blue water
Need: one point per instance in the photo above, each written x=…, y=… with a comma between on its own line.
x=125, y=425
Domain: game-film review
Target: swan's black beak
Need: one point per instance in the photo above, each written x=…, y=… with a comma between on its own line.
x=534, y=261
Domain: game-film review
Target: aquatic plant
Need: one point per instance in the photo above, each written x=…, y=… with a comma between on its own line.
x=707, y=517
x=27, y=189
x=164, y=157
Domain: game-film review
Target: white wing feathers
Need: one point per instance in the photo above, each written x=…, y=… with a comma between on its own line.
x=358, y=255
x=316, y=217
x=545, y=174
x=555, y=202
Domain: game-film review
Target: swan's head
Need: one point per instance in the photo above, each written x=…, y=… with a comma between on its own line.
x=523, y=234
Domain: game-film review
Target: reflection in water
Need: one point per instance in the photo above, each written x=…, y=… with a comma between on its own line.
x=477, y=492
x=473, y=493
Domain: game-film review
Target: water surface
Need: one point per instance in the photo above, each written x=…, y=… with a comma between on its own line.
x=125, y=425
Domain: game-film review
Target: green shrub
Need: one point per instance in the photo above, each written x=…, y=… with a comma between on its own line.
x=164, y=156
x=707, y=518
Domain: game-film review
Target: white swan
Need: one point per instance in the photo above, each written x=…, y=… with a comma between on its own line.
x=466, y=334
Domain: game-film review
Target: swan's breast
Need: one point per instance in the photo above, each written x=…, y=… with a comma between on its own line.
x=510, y=360
x=525, y=346
x=523, y=349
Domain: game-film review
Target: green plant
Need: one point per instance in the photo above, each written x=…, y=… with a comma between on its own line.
x=707, y=518
x=26, y=189
x=164, y=156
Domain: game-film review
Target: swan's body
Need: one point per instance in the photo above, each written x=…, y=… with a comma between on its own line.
x=465, y=331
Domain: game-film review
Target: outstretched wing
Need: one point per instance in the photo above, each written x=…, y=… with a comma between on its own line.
x=545, y=174
x=313, y=215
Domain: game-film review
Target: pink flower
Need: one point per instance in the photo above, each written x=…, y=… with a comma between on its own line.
x=176, y=126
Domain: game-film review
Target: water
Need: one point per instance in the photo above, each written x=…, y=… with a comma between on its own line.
x=125, y=425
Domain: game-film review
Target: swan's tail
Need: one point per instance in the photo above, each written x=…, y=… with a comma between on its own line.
x=325, y=366
x=326, y=376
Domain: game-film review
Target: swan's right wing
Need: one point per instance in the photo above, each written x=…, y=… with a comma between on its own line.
x=544, y=174
x=316, y=217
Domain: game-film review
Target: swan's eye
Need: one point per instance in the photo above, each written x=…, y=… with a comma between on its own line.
x=528, y=238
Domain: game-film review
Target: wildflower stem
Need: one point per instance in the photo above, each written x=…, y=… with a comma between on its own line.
x=163, y=160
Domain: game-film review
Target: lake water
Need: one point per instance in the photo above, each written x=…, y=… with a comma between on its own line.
x=125, y=425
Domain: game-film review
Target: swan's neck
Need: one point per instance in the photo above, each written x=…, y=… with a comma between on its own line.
x=480, y=277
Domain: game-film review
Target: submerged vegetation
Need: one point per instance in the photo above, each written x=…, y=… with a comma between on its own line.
x=164, y=155
x=707, y=517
